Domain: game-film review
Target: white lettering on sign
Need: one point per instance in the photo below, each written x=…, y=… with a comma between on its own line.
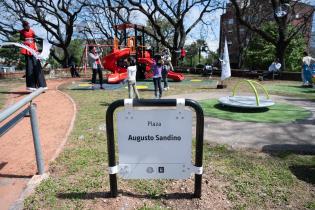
x=154, y=143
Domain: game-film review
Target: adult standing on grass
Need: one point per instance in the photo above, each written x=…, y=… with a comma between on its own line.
x=306, y=69
x=95, y=63
x=132, y=72
x=34, y=74
x=157, y=76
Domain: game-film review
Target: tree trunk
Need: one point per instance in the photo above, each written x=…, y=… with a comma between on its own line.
x=280, y=52
x=65, y=58
x=174, y=57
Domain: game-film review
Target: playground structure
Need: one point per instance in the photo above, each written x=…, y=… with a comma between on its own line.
x=251, y=102
x=133, y=46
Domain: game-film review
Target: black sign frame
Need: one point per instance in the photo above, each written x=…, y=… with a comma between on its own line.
x=154, y=103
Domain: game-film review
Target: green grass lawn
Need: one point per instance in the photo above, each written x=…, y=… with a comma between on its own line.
x=5, y=86
x=2, y=97
x=279, y=113
x=248, y=180
x=291, y=89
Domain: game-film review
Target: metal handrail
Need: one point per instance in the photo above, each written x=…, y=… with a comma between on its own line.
x=18, y=105
x=31, y=112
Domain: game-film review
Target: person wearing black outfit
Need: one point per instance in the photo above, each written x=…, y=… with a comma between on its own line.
x=73, y=67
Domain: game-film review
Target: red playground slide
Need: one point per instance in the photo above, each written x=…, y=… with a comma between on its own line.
x=119, y=73
x=110, y=63
x=175, y=76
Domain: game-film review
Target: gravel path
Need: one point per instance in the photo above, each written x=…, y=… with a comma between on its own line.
x=56, y=112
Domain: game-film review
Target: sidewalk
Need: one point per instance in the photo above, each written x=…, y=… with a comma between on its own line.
x=56, y=114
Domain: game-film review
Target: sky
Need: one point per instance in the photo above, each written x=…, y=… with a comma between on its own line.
x=212, y=32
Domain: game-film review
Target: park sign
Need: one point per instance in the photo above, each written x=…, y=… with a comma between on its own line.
x=154, y=143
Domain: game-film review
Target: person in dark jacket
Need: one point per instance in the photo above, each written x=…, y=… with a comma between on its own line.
x=73, y=67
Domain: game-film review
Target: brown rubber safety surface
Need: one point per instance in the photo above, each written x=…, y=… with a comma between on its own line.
x=55, y=113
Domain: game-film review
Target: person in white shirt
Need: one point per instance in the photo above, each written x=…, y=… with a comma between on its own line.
x=132, y=72
x=306, y=69
x=167, y=59
x=274, y=67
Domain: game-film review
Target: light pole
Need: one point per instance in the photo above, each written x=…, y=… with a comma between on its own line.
x=203, y=48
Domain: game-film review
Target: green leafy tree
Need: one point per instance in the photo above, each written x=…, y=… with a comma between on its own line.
x=75, y=49
x=12, y=55
x=192, y=56
x=253, y=14
x=261, y=53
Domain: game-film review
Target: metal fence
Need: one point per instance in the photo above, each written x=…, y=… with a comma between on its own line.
x=30, y=111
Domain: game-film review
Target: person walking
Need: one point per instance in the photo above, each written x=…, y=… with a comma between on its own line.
x=132, y=72
x=95, y=63
x=33, y=69
x=157, y=76
x=306, y=73
x=73, y=67
x=274, y=67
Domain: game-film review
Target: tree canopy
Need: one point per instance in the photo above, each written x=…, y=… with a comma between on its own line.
x=260, y=53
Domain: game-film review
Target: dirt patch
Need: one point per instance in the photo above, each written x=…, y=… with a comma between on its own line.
x=177, y=195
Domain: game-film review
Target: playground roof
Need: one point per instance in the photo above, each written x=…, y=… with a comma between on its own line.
x=128, y=25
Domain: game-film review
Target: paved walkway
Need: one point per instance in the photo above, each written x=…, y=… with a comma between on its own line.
x=297, y=136
x=56, y=112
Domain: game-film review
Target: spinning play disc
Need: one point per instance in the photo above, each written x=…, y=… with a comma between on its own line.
x=252, y=102
x=245, y=101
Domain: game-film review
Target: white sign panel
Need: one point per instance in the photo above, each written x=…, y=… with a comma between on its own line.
x=154, y=143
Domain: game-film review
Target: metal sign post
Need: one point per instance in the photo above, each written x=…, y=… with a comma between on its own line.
x=155, y=144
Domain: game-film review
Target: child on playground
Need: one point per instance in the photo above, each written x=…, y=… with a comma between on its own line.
x=157, y=76
x=95, y=63
x=132, y=72
x=166, y=57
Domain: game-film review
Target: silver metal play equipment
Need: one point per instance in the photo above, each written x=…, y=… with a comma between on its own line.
x=251, y=102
